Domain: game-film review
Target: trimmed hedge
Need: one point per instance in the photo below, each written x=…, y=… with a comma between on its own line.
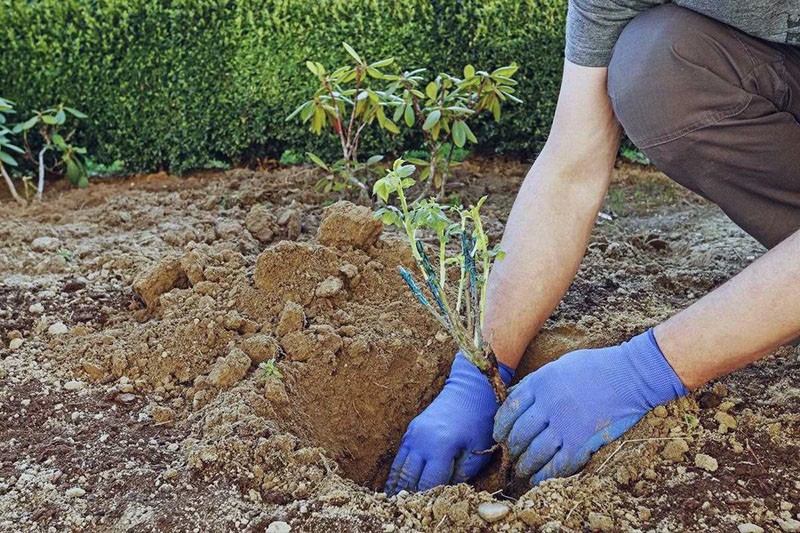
x=180, y=83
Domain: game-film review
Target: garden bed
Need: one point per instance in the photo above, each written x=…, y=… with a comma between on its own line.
x=151, y=410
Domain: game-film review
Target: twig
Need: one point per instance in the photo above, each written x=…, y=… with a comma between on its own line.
x=11, y=186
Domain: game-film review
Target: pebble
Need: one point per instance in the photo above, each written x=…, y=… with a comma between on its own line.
x=600, y=522
x=789, y=525
x=279, y=527
x=674, y=450
x=75, y=492
x=492, y=511
x=329, y=287
x=15, y=343
x=706, y=462
x=36, y=308
x=749, y=528
x=45, y=244
x=660, y=411
x=73, y=385
x=59, y=328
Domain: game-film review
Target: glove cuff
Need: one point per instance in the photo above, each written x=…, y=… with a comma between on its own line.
x=652, y=378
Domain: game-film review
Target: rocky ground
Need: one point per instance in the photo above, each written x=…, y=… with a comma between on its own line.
x=235, y=352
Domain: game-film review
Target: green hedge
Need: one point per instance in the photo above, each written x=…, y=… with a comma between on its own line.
x=179, y=83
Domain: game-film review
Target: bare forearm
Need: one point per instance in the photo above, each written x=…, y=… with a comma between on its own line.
x=546, y=234
x=739, y=322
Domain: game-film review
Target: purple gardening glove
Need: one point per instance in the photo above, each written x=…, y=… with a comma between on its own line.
x=438, y=446
x=558, y=416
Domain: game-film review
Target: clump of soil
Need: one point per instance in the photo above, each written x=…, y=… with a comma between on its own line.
x=135, y=334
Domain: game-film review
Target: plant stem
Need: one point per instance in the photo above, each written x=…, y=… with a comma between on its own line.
x=11, y=186
x=40, y=186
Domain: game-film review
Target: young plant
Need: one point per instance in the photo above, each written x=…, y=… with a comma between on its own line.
x=269, y=370
x=8, y=149
x=346, y=102
x=48, y=125
x=443, y=109
x=462, y=318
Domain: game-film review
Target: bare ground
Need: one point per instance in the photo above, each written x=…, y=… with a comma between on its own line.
x=135, y=400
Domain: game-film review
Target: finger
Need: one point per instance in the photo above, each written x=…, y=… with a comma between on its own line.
x=539, y=453
x=409, y=474
x=527, y=427
x=520, y=399
x=394, y=472
x=436, y=472
x=561, y=465
x=468, y=464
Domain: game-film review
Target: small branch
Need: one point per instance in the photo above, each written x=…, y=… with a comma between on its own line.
x=40, y=186
x=11, y=186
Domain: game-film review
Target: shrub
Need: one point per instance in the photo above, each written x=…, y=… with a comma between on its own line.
x=179, y=84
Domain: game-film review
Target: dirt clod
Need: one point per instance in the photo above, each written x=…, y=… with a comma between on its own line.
x=706, y=462
x=229, y=369
x=161, y=278
x=347, y=224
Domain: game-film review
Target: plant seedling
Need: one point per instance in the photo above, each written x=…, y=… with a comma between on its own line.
x=48, y=124
x=347, y=101
x=444, y=108
x=8, y=149
x=269, y=370
x=462, y=318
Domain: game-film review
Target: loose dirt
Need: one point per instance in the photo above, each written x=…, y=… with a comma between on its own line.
x=235, y=352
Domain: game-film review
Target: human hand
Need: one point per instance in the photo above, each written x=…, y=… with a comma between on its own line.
x=440, y=443
x=558, y=416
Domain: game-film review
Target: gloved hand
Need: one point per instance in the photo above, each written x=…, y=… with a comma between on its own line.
x=558, y=416
x=438, y=444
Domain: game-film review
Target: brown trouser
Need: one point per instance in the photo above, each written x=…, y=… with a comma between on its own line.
x=717, y=111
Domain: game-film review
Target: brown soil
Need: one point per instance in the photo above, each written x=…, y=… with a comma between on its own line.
x=173, y=291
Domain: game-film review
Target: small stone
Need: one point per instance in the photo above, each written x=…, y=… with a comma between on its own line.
x=279, y=527
x=790, y=525
x=73, y=385
x=75, y=492
x=162, y=414
x=674, y=450
x=706, y=462
x=720, y=390
x=660, y=411
x=230, y=369
x=492, y=511
x=441, y=336
x=261, y=223
x=59, y=328
x=786, y=506
x=329, y=287
x=749, y=528
x=95, y=371
x=726, y=419
x=170, y=473
x=292, y=319
x=600, y=522
x=349, y=270
x=347, y=224
x=15, y=343
x=45, y=244
x=36, y=308
x=125, y=397
x=261, y=347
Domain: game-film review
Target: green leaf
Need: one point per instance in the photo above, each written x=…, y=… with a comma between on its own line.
x=298, y=110
x=319, y=162
x=374, y=159
x=405, y=171
x=408, y=115
x=459, y=134
x=7, y=159
x=398, y=112
x=75, y=113
x=310, y=65
x=28, y=124
x=431, y=90
x=468, y=132
x=432, y=120
x=391, y=126
x=506, y=72
x=49, y=119
x=352, y=53
x=61, y=117
x=59, y=141
x=383, y=63
x=381, y=190
x=469, y=71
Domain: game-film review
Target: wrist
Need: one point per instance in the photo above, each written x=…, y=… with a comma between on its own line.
x=688, y=373
x=649, y=376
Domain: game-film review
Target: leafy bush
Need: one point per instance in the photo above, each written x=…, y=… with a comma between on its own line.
x=179, y=84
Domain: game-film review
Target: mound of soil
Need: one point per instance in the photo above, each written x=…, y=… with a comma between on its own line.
x=224, y=352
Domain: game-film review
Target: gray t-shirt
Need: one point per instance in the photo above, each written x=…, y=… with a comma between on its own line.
x=593, y=26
